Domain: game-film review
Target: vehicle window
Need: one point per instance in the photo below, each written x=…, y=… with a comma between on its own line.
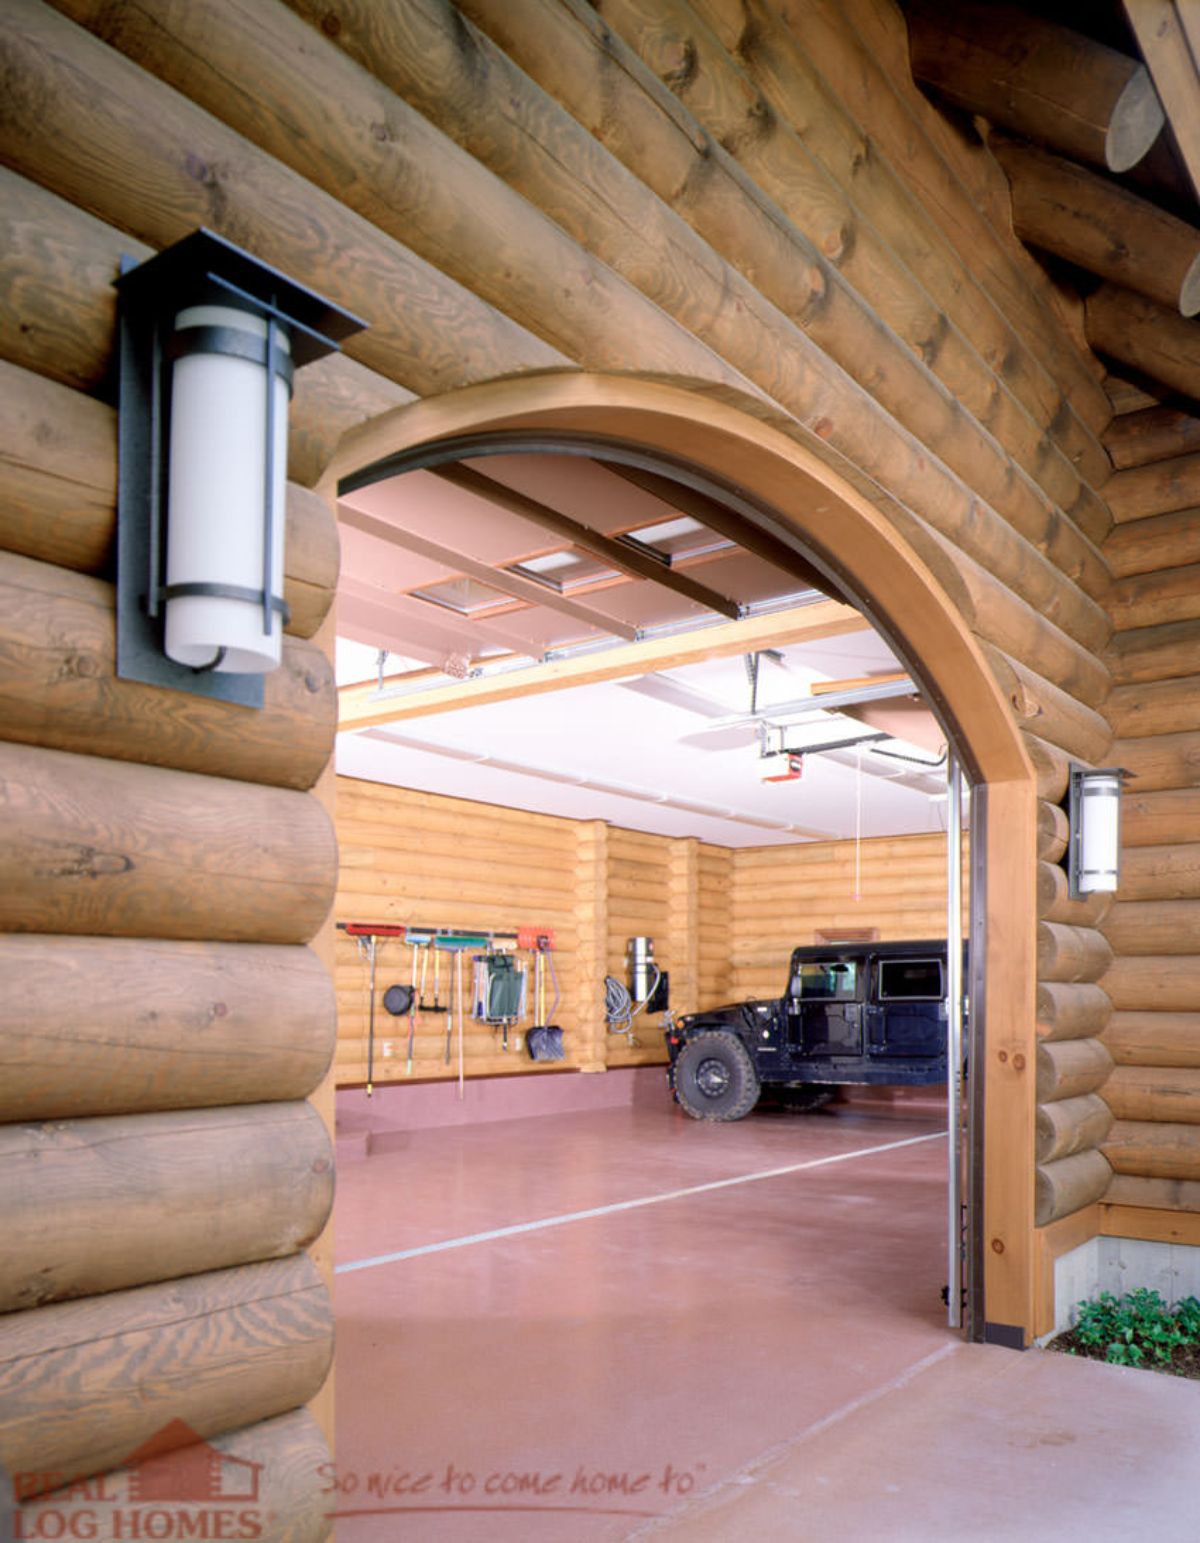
x=908, y=980
x=834, y=980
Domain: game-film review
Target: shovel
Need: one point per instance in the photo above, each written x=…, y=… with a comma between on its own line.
x=544, y=1041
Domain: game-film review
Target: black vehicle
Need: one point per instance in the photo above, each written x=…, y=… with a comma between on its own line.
x=852, y=1013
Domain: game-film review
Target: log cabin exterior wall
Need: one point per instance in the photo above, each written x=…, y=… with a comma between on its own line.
x=1153, y=1034
x=746, y=197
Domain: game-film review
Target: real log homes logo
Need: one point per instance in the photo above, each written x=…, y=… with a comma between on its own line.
x=174, y=1486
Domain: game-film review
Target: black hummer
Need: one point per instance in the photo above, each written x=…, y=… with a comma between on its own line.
x=852, y=1013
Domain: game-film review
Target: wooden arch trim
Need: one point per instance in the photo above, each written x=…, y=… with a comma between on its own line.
x=737, y=443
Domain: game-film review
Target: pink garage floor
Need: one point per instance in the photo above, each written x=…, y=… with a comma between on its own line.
x=584, y=1379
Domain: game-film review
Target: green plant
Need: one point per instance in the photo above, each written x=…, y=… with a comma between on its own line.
x=1136, y=1327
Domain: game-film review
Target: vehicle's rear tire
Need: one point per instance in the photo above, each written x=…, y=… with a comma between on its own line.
x=715, y=1077
x=804, y=1097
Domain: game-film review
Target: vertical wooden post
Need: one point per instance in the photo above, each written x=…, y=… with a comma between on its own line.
x=1004, y=932
x=683, y=925
x=591, y=914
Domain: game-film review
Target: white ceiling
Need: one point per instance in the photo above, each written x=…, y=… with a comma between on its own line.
x=604, y=751
x=610, y=735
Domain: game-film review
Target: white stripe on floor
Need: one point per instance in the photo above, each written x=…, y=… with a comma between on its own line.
x=626, y=1205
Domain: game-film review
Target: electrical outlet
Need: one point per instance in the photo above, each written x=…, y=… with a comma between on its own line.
x=389, y=1047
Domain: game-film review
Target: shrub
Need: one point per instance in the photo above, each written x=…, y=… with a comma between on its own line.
x=1136, y=1328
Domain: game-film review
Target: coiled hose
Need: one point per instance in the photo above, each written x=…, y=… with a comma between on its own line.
x=618, y=1004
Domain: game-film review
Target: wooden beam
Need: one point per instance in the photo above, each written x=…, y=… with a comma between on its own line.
x=1037, y=79
x=361, y=709
x=1073, y=213
x=420, y=629
x=1164, y=31
x=507, y=583
x=612, y=551
x=1152, y=338
x=717, y=517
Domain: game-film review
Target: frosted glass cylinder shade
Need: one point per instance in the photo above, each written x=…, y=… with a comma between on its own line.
x=1100, y=832
x=217, y=497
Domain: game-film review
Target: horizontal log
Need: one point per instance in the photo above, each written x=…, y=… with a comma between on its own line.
x=1154, y=1039
x=1128, y=1189
x=1053, y=831
x=1161, y=761
x=1153, y=927
x=179, y=1193
x=927, y=304
x=176, y=1026
x=1051, y=766
x=1152, y=546
x=693, y=179
x=1102, y=226
x=1130, y=396
x=1155, y=1093
x=1154, y=1149
x=116, y=850
x=58, y=451
x=1151, y=434
x=1068, y=1185
x=1071, y=1011
x=333, y=396
x=870, y=226
x=1150, y=599
x=84, y=1384
x=1151, y=654
x=1010, y=624
x=959, y=203
x=1137, y=331
x=192, y=170
x=1071, y=953
x=59, y=688
x=1069, y=1068
x=1054, y=903
x=1043, y=709
x=1145, y=983
x=291, y=1505
x=1157, y=707
x=1158, y=819
x=1037, y=79
x=1160, y=488
x=1070, y=1126
x=1161, y=873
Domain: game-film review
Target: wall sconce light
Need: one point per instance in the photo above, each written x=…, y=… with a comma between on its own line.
x=1094, y=811
x=210, y=339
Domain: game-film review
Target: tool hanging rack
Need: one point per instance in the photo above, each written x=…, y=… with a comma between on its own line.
x=458, y=941
x=538, y=939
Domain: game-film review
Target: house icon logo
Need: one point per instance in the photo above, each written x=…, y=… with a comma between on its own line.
x=176, y=1466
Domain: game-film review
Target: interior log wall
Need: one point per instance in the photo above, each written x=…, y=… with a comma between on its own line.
x=723, y=920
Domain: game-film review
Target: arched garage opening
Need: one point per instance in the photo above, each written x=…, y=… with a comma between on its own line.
x=733, y=448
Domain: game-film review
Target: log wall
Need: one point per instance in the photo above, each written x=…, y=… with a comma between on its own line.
x=412, y=859
x=1153, y=1036
x=724, y=921
x=165, y=1024
x=783, y=897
